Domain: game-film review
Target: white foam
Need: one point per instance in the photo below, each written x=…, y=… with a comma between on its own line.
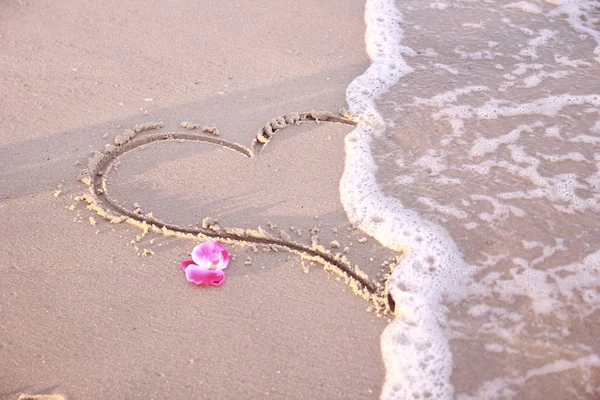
x=447, y=68
x=483, y=146
x=500, y=388
x=473, y=25
x=582, y=15
x=564, y=60
x=432, y=162
x=450, y=97
x=522, y=68
x=585, y=139
x=494, y=347
x=415, y=349
x=445, y=180
x=563, y=157
x=561, y=190
x=544, y=36
x=525, y=6
x=484, y=54
x=429, y=52
x=549, y=290
x=553, y=131
x=442, y=208
x=439, y=5
x=500, y=211
x=549, y=106
x=539, y=151
x=535, y=79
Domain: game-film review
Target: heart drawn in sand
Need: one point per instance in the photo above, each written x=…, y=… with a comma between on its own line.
x=99, y=200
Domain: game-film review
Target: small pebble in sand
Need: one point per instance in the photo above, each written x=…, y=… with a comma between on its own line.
x=211, y=129
x=105, y=136
x=57, y=192
x=211, y=223
x=71, y=207
x=285, y=236
x=248, y=261
x=305, y=268
x=299, y=232
x=92, y=221
x=41, y=397
x=145, y=127
x=254, y=248
x=335, y=244
x=261, y=139
x=147, y=252
x=334, y=230
x=314, y=240
x=362, y=240
x=346, y=250
x=189, y=125
x=343, y=113
x=271, y=225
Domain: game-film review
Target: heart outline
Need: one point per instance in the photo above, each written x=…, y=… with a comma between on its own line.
x=98, y=200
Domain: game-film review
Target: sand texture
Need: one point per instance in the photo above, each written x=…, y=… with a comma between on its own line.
x=93, y=309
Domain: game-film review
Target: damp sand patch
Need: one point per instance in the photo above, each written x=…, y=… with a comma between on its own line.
x=332, y=256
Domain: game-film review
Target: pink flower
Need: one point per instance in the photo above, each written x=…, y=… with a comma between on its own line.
x=209, y=259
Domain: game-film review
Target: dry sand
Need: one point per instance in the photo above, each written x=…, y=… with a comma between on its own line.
x=84, y=313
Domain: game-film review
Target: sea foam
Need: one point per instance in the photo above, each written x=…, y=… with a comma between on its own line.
x=415, y=349
x=480, y=162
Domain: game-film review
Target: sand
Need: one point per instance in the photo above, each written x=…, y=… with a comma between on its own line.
x=99, y=310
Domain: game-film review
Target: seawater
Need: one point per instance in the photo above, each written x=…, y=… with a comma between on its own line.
x=478, y=156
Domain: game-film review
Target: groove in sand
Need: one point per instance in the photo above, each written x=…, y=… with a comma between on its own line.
x=98, y=199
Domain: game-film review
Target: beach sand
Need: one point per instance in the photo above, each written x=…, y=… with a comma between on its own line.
x=89, y=309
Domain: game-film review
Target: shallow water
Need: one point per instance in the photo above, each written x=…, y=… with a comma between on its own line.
x=480, y=155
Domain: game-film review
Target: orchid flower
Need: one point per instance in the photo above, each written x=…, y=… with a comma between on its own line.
x=209, y=259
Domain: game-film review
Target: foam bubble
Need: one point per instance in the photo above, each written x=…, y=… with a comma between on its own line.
x=439, y=5
x=564, y=60
x=483, y=146
x=500, y=388
x=525, y=6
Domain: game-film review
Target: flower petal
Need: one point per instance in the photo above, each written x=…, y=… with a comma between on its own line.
x=204, y=276
x=185, y=263
x=211, y=253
